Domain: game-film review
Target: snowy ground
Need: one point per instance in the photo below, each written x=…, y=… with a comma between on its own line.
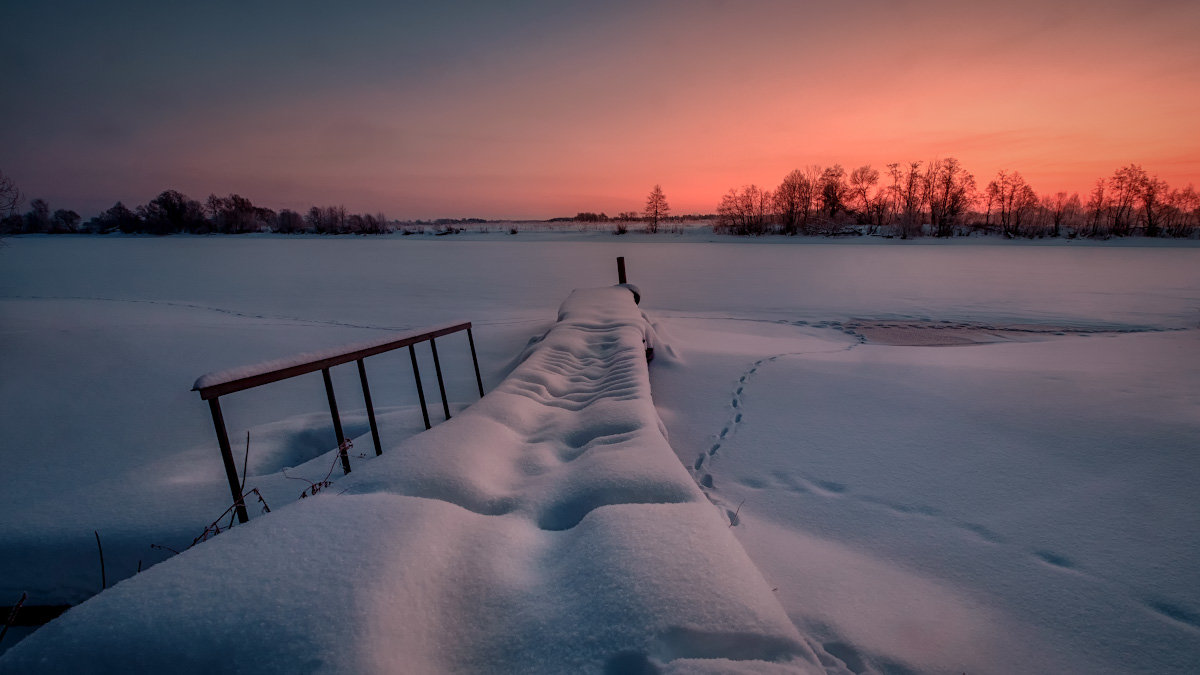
x=1023, y=501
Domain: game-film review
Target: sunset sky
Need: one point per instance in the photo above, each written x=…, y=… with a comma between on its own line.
x=540, y=109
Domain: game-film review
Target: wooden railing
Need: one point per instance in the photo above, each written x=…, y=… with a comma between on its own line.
x=215, y=385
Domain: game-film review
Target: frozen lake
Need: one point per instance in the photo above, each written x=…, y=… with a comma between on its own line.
x=1027, y=504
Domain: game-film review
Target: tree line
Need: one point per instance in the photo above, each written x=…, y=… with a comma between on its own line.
x=942, y=199
x=174, y=212
x=938, y=198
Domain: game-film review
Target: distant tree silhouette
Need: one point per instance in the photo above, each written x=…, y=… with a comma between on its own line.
x=1063, y=211
x=117, y=218
x=656, y=209
x=366, y=223
x=1013, y=200
x=744, y=212
x=1097, y=206
x=326, y=220
x=1124, y=189
x=37, y=218
x=1181, y=217
x=172, y=211
x=794, y=199
x=862, y=181
x=289, y=222
x=832, y=190
x=906, y=198
x=64, y=221
x=1154, y=194
x=949, y=193
x=10, y=196
x=235, y=214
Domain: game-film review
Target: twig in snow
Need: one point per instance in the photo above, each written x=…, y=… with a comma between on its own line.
x=103, y=577
x=12, y=616
x=734, y=520
x=215, y=527
x=242, y=486
x=245, y=461
x=314, y=488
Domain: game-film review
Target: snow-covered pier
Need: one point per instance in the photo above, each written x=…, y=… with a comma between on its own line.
x=549, y=528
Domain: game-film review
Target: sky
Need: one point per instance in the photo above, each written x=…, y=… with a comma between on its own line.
x=531, y=109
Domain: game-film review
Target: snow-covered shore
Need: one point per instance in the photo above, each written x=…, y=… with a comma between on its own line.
x=938, y=509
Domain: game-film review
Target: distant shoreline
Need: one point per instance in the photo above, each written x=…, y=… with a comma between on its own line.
x=541, y=231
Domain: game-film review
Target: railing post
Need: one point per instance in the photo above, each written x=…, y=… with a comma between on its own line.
x=437, y=367
x=337, y=420
x=621, y=270
x=227, y=457
x=412, y=354
x=362, y=375
x=475, y=362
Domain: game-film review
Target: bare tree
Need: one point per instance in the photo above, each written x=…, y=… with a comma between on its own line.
x=862, y=180
x=907, y=198
x=37, y=219
x=1097, y=206
x=656, y=209
x=1014, y=199
x=236, y=214
x=1153, y=194
x=172, y=211
x=746, y=212
x=788, y=201
x=1182, y=216
x=1124, y=188
x=289, y=222
x=119, y=217
x=10, y=196
x=64, y=220
x=833, y=190
x=1063, y=210
x=949, y=192
x=794, y=199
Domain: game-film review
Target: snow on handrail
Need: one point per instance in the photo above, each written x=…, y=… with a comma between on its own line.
x=245, y=377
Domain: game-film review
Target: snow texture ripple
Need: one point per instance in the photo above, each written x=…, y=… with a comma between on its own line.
x=549, y=528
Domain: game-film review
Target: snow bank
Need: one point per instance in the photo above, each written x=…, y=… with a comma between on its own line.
x=548, y=528
x=1018, y=507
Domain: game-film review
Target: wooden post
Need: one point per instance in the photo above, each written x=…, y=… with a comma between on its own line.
x=621, y=270
x=475, y=361
x=235, y=487
x=412, y=353
x=337, y=420
x=437, y=368
x=362, y=376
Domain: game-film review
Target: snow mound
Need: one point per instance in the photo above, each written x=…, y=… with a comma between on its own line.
x=549, y=528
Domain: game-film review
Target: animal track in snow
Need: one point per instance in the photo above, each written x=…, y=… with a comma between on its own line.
x=737, y=408
x=1174, y=612
x=1051, y=558
x=982, y=532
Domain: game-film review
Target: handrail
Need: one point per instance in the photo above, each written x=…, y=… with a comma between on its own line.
x=229, y=381
x=214, y=385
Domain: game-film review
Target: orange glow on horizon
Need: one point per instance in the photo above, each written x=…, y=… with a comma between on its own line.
x=699, y=99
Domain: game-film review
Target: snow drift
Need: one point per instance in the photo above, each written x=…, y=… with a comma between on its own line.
x=548, y=528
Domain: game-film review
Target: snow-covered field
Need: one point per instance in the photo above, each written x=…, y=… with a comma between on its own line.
x=1017, y=495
